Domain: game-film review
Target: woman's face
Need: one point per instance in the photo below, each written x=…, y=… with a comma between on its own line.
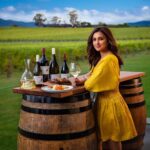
x=100, y=42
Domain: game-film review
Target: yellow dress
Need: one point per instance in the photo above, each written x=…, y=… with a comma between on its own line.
x=113, y=116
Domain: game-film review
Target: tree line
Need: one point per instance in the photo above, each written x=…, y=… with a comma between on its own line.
x=40, y=19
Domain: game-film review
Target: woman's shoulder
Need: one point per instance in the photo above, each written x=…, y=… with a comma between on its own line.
x=107, y=59
x=111, y=57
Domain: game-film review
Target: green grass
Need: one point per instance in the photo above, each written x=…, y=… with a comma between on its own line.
x=9, y=113
x=139, y=62
x=19, y=33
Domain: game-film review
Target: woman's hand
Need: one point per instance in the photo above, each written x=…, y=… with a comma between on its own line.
x=79, y=81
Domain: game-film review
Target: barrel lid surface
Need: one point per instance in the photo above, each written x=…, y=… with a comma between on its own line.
x=127, y=75
x=124, y=76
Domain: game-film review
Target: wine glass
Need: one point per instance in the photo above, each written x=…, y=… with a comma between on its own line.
x=75, y=69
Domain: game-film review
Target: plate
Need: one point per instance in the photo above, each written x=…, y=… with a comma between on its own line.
x=50, y=90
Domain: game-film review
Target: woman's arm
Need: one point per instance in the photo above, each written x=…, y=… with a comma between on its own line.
x=82, y=79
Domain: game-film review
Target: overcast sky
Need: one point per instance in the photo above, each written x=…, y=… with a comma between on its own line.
x=94, y=11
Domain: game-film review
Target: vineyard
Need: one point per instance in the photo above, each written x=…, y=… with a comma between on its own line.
x=65, y=34
x=27, y=42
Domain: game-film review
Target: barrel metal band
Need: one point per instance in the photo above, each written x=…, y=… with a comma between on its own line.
x=46, y=99
x=67, y=136
x=56, y=111
x=132, y=81
x=130, y=86
x=132, y=94
x=134, y=105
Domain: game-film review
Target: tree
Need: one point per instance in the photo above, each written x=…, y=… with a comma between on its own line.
x=86, y=24
x=102, y=24
x=39, y=19
x=73, y=17
x=56, y=20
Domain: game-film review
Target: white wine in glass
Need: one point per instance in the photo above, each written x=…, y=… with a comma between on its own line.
x=75, y=69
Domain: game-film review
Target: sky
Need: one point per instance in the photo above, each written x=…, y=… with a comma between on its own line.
x=94, y=11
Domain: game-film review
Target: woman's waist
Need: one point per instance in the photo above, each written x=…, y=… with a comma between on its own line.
x=109, y=93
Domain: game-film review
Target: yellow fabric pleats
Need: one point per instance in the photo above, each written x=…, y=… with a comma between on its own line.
x=114, y=118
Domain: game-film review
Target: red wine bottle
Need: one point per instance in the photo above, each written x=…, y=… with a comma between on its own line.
x=37, y=72
x=53, y=67
x=64, y=68
x=44, y=66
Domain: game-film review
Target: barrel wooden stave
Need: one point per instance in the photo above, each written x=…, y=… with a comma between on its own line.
x=77, y=144
x=56, y=124
x=140, y=121
x=132, y=92
x=72, y=105
x=134, y=99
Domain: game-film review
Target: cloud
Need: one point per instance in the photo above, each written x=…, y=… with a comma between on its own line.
x=9, y=9
x=145, y=8
x=89, y=15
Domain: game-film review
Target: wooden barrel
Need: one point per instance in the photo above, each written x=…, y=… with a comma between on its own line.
x=133, y=93
x=57, y=123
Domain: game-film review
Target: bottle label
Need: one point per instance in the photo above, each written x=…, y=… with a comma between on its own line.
x=38, y=80
x=45, y=69
x=54, y=76
x=65, y=75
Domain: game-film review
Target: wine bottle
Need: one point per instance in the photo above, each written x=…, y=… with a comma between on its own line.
x=44, y=66
x=53, y=67
x=64, y=68
x=37, y=72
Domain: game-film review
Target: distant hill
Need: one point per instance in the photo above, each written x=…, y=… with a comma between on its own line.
x=144, y=23
x=5, y=23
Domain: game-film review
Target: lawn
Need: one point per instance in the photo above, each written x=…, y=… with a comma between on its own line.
x=140, y=62
x=9, y=113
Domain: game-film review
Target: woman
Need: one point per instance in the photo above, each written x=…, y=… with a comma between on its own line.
x=114, y=120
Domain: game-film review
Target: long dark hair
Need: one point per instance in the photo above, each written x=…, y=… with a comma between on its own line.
x=93, y=55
